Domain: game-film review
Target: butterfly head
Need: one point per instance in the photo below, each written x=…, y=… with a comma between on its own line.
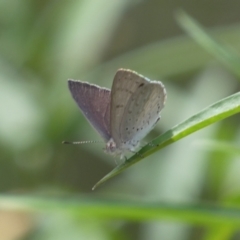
x=111, y=148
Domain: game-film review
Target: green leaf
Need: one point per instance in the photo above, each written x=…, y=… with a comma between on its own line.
x=216, y=112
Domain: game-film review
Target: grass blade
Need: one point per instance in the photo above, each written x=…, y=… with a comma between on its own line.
x=214, y=113
x=220, y=51
x=201, y=214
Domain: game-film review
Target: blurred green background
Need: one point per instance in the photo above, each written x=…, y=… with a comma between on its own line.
x=42, y=44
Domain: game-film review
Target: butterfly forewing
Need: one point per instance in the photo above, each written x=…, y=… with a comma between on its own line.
x=125, y=84
x=94, y=103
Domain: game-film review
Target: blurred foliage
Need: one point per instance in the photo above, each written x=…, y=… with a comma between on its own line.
x=189, y=190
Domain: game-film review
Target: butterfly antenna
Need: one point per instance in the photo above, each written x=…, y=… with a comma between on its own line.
x=82, y=142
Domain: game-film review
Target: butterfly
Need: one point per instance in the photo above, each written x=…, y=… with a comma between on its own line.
x=124, y=115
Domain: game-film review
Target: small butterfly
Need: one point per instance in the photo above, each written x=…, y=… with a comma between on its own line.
x=124, y=115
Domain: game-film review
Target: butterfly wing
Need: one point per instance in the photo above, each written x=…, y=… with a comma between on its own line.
x=94, y=103
x=135, y=107
x=142, y=112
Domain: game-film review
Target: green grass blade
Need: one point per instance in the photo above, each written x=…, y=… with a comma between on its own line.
x=202, y=214
x=216, y=112
x=184, y=56
x=220, y=51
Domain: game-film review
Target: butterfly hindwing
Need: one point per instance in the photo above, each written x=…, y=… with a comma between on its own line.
x=142, y=112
